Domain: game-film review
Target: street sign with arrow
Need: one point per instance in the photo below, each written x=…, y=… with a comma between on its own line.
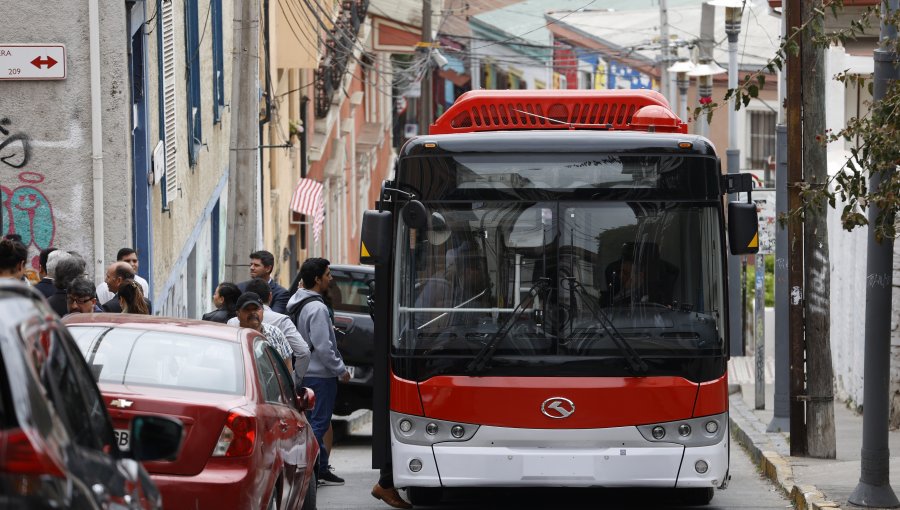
x=32, y=62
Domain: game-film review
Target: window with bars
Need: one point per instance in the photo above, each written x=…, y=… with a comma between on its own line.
x=762, y=139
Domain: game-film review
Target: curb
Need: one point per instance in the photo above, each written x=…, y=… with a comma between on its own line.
x=764, y=449
x=356, y=420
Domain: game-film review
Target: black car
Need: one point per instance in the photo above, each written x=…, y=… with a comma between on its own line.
x=57, y=446
x=349, y=293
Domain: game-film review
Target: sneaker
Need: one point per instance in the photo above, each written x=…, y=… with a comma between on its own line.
x=328, y=478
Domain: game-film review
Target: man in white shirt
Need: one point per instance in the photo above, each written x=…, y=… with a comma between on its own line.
x=130, y=256
x=283, y=323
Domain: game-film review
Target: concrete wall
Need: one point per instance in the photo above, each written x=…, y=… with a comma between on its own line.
x=46, y=164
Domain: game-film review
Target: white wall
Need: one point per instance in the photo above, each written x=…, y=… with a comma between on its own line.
x=848, y=262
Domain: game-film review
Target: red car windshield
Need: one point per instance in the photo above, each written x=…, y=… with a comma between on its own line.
x=163, y=359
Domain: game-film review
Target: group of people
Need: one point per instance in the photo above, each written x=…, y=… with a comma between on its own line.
x=62, y=279
x=299, y=326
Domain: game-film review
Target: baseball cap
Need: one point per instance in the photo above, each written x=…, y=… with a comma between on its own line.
x=249, y=298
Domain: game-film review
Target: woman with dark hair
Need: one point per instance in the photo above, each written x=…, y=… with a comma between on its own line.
x=225, y=298
x=131, y=298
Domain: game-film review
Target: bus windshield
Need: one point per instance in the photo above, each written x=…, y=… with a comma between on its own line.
x=561, y=281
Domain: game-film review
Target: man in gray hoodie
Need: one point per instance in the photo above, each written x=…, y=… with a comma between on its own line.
x=325, y=364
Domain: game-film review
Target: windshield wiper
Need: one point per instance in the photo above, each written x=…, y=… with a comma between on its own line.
x=487, y=352
x=634, y=360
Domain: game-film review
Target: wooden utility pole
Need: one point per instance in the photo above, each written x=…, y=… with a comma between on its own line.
x=792, y=10
x=243, y=159
x=820, y=438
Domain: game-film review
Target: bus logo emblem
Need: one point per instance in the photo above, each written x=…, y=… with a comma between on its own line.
x=557, y=408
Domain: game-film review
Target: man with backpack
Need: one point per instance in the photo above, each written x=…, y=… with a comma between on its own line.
x=310, y=313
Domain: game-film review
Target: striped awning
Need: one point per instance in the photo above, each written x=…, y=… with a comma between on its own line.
x=308, y=200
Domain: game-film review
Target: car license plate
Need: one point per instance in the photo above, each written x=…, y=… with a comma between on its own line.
x=123, y=439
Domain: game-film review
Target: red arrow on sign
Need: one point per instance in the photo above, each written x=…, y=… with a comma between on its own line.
x=38, y=62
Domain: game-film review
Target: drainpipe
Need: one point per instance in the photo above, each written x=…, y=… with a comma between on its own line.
x=96, y=139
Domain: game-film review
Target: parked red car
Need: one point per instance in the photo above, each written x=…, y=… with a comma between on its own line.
x=247, y=444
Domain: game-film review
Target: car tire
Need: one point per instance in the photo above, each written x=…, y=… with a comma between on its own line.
x=425, y=496
x=697, y=497
x=309, y=502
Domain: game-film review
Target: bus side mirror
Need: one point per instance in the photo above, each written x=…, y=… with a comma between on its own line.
x=743, y=228
x=376, y=238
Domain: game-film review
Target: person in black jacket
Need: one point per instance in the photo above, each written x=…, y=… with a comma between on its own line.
x=262, y=263
x=45, y=286
x=116, y=275
x=225, y=298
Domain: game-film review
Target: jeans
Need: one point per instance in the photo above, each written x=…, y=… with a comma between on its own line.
x=319, y=418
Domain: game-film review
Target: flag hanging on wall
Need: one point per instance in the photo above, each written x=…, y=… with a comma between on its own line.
x=308, y=200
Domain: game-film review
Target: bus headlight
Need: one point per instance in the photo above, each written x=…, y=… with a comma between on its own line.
x=700, y=431
x=415, y=465
x=424, y=431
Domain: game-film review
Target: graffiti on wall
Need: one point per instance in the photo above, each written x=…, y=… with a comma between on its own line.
x=25, y=209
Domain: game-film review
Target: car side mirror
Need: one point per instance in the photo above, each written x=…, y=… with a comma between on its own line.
x=155, y=438
x=306, y=398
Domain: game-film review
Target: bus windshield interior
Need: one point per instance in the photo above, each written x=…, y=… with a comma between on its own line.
x=497, y=282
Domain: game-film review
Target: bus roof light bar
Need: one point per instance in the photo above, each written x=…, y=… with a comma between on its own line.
x=496, y=110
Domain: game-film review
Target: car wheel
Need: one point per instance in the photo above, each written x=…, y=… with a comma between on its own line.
x=697, y=497
x=309, y=502
x=425, y=496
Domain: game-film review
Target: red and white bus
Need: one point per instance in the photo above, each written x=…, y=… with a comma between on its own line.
x=551, y=303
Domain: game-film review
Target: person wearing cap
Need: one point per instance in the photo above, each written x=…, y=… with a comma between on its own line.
x=249, y=314
x=299, y=346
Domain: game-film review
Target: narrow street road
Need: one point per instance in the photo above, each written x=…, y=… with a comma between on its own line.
x=352, y=457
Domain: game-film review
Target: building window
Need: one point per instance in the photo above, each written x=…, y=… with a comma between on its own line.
x=762, y=139
x=167, y=106
x=218, y=60
x=192, y=46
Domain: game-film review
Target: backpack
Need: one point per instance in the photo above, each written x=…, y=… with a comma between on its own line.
x=295, y=315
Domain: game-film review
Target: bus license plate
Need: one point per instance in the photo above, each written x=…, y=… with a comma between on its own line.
x=123, y=439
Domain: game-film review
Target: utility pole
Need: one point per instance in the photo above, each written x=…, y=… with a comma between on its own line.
x=780, y=419
x=425, y=114
x=792, y=10
x=664, y=57
x=874, y=488
x=244, y=157
x=816, y=303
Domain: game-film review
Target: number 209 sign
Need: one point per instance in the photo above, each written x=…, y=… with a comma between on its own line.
x=32, y=62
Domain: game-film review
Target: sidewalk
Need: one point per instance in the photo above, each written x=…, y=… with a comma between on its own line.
x=810, y=483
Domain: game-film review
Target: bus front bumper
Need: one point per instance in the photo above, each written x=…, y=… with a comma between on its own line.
x=505, y=457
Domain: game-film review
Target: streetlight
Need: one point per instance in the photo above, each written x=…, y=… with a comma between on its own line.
x=681, y=70
x=704, y=73
x=733, y=13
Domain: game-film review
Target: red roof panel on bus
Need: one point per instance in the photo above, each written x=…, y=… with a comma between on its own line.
x=494, y=110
